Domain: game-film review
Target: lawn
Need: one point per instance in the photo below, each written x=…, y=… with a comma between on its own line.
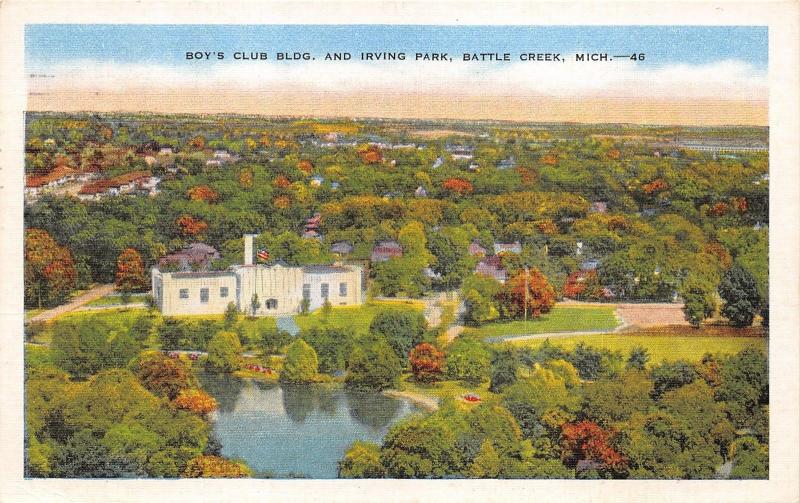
x=444, y=389
x=119, y=319
x=355, y=319
x=560, y=319
x=661, y=348
x=116, y=300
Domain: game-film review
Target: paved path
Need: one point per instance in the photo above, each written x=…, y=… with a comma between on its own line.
x=84, y=298
x=287, y=323
x=548, y=335
x=132, y=305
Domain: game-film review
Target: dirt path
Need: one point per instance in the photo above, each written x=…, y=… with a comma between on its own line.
x=85, y=298
x=423, y=401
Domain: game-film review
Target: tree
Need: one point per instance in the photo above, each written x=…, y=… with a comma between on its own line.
x=609, y=401
x=515, y=302
x=586, y=441
x=468, y=360
x=401, y=328
x=231, y=316
x=698, y=301
x=50, y=274
x=162, y=375
x=196, y=401
x=333, y=346
x=750, y=459
x=504, y=369
x=374, y=365
x=300, y=365
x=419, y=448
x=671, y=375
x=224, y=352
x=361, y=461
x=255, y=304
x=638, y=358
x=739, y=292
x=744, y=386
x=486, y=464
x=84, y=348
x=215, y=467
x=427, y=362
x=130, y=272
x=271, y=340
x=530, y=399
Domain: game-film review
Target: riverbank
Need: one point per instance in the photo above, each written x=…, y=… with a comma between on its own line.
x=422, y=401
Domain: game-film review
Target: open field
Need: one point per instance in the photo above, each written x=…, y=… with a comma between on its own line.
x=355, y=319
x=444, y=389
x=116, y=300
x=561, y=319
x=669, y=348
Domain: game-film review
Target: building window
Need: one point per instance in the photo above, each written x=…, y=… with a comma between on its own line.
x=204, y=295
x=184, y=293
x=342, y=289
x=307, y=291
x=323, y=291
x=271, y=304
x=223, y=291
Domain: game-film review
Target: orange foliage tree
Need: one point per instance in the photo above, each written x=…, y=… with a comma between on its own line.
x=196, y=401
x=215, y=467
x=550, y=160
x=191, y=226
x=130, y=271
x=656, y=185
x=458, y=186
x=306, y=166
x=203, y=193
x=281, y=202
x=540, y=296
x=427, y=362
x=50, y=274
x=281, y=182
x=246, y=178
x=583, y=285
x=371, y=155
x=719, y=209
x=739, y=204
x=586, y=441
x=198, y=142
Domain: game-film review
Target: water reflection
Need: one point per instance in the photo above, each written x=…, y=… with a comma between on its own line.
x=296, y=428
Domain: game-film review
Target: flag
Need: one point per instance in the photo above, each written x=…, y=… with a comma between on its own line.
x=263, y=255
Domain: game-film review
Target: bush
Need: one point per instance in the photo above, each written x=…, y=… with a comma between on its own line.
x=739, y=291
x=504, y=369
x=224, y=352
x=301, y=364
x=215, y=467
x=332, y=346
x=361, y=461
x=271, y=340
x=162, y=375
x=427, y=362
x=196, y=401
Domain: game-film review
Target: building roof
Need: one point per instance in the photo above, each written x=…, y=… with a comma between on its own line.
x=492, y=266
x=514, y=247
x=115, y=182
x=385, y=250
x=196, y=254
x=325, y=269
x=57, y=173
x=341, y=247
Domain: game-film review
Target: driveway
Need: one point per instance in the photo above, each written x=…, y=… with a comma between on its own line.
x=84, y=298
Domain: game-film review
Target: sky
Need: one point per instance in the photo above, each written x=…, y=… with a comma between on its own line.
x=720, y=72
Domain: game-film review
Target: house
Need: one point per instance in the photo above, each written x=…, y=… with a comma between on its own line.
x=279, y=289
x=598, y=207
x=195, y=257
x=476, y=250
x=135, y=181
x=342, y=248
x=514, y=247
x=492, y=266
x=313, y=222
x=437, y=163
x=508, y=163
x=421, y=192
x=460, y=152
x=589, y=265
x=431, y=274
x=386, y=250
x=316, y=181
x=36, y=185
x=474, y=166
x=165, y=151
x=311, y=234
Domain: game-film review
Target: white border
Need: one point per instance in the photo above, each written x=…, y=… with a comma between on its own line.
x=782, y=20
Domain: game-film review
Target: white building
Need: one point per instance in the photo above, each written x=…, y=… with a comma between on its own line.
x=280, y=289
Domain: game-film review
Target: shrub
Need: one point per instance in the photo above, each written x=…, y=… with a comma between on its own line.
x=468, y=360
x=196, y=401
x=373, y=365
x=301, y=364
x=215, y=467
x=162, y=375
x=402, y=329
x=224, y=352
x=427, y=362
x=361, y=461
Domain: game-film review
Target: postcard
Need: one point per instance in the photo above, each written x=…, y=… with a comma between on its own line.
x=325, y=255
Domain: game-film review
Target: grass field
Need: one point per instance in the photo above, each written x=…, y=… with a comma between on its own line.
x=444, y=389
x=355, y=319
x=661, y=348
x=116, y=300
x=560, y=319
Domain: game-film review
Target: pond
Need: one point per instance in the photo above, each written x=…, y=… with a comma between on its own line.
x=294, y=429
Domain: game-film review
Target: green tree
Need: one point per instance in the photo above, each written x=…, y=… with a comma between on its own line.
x=401, y=328
x=271, y=340
x=698, y=301
x=468, y=360
x=609, y=401
x=744, y=386
x=671, y=375
x=420, y=448
x=505, y=362
x=361, y=461
x=638, y=358
x=224, y=352
x=255, y=304
x=486, y=464
x=300, y=365
x=231, y=316
x=739, y=292
x=750, y=459
x=373, y=364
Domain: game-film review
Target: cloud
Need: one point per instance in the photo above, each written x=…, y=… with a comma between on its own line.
x=724, y=80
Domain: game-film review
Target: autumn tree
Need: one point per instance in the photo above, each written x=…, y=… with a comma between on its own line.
x=196, y=401
x=526, y=293
x=458, y=186
x=203, y=193
x=130, y=272
x=191, y=226
x=162, y=375
x=586, y=441
x=215, y=467
x=50, y=274
x=427, y=362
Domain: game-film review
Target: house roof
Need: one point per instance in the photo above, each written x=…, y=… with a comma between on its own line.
x=115, y=182
x=57, y=173
x=325, y=269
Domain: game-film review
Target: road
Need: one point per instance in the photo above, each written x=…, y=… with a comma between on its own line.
x=86, y=297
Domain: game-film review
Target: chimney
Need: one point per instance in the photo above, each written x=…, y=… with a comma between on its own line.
x=248, y=249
